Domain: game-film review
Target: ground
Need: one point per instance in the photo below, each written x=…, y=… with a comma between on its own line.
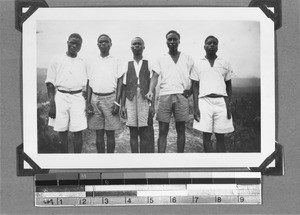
x=193, y=140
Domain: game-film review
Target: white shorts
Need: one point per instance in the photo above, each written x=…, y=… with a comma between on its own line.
x=70, y=112
x=213, y=116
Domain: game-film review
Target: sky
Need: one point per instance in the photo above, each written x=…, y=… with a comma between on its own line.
x=239, y=40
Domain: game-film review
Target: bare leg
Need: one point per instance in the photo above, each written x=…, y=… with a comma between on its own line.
x=180, y=128
x=162, y=139
x=78, y=142
x=150, y=135
x=144, y=139
x=100, y=143
x=134, y=139
x=220, y=143
x=64, y=141
x=207, y=142
x=111, y=142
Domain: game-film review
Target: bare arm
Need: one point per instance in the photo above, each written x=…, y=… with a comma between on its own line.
x=153, y=83
x=228, y=89
x=51, y=96
x=195, y=89
x=228, y=99
x=123, y=102
x=123, y=95
x=116, y=105
x=89, y=107
x=119, y=89
x=89, y=92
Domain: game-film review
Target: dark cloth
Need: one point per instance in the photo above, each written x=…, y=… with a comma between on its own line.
x=132, y=80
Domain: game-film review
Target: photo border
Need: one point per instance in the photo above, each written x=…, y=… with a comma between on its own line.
x=191, y=160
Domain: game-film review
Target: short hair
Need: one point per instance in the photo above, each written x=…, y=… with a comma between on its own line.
x=211, y=36
x=172, y=31
x=138, y=38
x=75, y=35
x=104, y=35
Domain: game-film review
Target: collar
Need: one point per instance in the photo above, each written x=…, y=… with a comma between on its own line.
x=65, y=54
x=141, y=60
x=108, y=56
x=218, y=58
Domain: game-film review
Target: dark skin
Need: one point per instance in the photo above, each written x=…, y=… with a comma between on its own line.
x=173, y=42
x=104, y=44
x=137, y=48
x=211, y=48
x=74, y=46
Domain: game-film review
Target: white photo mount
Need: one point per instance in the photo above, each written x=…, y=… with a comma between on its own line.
x=152, y=161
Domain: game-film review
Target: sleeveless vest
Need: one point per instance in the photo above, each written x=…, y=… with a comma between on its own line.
x=131, y=80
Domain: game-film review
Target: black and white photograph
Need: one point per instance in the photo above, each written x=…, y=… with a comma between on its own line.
x=133, y=87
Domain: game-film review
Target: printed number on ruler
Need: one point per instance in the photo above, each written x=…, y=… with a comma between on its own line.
x=53, y=201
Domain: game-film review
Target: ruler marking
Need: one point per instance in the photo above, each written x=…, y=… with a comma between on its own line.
x=180, y=180
x=163, y=193
x=60, y=194
x=136, y=181
x=202, y=181
x=115, y=193
x=102, y=189
x=158, y=181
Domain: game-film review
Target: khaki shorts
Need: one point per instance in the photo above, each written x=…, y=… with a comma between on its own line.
x=137, y=111
x=103, y=117
x=174, y=103
x=213, y=116
x=70, y=112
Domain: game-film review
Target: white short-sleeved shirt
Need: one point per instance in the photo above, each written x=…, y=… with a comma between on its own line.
x=137, y=67
x=67, y=73
x=103, y=74
x=174, y=76
x=212, y=79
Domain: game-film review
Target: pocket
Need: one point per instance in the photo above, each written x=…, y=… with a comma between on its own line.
x=184, y=97
x=164, y=98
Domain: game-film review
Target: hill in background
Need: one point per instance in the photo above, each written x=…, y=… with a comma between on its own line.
x=244, y=84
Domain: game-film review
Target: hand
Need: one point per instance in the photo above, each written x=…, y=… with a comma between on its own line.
x=186, y=93
x=228, y=107
x=123, y=112
x=52, y=111
x=197, y=114
x=89, y=109
x=115, y=109
x=149, y=96
x=151, y=111
x=84, y=94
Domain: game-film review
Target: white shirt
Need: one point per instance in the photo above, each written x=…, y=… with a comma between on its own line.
x=137, y=68
x=67, y=73
x=212, y=79
x=103, y=74
x=174, y=76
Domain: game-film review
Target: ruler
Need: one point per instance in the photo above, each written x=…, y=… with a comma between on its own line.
x=147, y=188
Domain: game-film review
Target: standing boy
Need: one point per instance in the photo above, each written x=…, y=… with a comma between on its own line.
x=139, y=111
x=66, y=77
x=211, y=80
x=174, y=68
x=103, y=95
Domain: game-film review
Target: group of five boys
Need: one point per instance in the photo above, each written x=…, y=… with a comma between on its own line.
x=113, y=91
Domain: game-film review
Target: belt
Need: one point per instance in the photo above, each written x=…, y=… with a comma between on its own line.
x=103, y=94
x=214, y=96
x=70, y=91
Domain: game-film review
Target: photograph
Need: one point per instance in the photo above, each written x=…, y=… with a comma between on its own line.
x=148, y=87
